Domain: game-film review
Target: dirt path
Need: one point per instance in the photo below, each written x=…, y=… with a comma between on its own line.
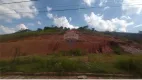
x=59, y=77
x=66, y=75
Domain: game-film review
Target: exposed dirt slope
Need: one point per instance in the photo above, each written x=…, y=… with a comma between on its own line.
x=46, y=44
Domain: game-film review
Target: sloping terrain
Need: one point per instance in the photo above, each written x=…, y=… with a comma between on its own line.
x=48, y=44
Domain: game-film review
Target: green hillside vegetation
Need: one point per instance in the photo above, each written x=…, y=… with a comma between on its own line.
x=136, y=37
x=92, y=63
x=28, y=33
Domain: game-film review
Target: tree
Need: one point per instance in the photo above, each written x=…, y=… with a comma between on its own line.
x=22, y=31
x=46, y=28
x=61, y=27
x=83, y=28
x=39, y=29
x=93, y=29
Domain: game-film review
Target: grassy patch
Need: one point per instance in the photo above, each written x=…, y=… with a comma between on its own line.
x=21, y=35
x=131, y=65
x=116, y=48
x=75, y=52
x=94, y=63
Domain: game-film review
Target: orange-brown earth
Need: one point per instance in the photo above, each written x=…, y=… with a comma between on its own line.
x=46, y=44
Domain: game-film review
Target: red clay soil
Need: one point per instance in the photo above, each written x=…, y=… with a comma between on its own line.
x=46, y=44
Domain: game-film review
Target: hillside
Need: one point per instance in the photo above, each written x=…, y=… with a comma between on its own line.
x=88, y=42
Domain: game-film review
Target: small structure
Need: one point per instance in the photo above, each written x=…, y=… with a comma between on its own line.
x=71, y=35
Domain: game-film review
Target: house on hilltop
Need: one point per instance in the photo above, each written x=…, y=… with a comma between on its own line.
x=71, y=35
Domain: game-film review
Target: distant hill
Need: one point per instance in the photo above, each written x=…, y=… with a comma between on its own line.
x=137, y=37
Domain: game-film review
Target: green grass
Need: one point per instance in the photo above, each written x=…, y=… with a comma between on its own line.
x=73, y=52
x=93, y=63
x=116, y=48
x=131, y=65
x=21, y=35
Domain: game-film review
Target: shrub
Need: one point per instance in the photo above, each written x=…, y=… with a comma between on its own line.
x=75, y=52
x=127, y=65
x=130, y=65
x=116, y=48
x=6, y=66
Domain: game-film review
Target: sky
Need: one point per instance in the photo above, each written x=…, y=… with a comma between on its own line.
x=102, y=15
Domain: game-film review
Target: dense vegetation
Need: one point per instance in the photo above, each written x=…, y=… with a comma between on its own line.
x=60, y=30
x=93, y=63
x=27, y=33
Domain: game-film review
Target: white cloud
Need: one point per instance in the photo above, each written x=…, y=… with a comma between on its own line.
x=97, y=22
x=140, y=25
x=89, y=2
x=7, y=30
x=105, y=8
x=12, y=11
x=125, y=17
x=102, y=2
x=70, y=19
x=62, y=21
x=38, y=22
x=49, y=8
x=132, y=6
x=49, y=15
x=21, y=27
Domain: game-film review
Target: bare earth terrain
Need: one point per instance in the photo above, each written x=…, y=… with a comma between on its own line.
x=46, y=44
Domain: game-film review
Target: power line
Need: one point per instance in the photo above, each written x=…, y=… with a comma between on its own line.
x=17, y=2
x=75, y=5
x=54, y=6
x=71, y=9
x=60, y=5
